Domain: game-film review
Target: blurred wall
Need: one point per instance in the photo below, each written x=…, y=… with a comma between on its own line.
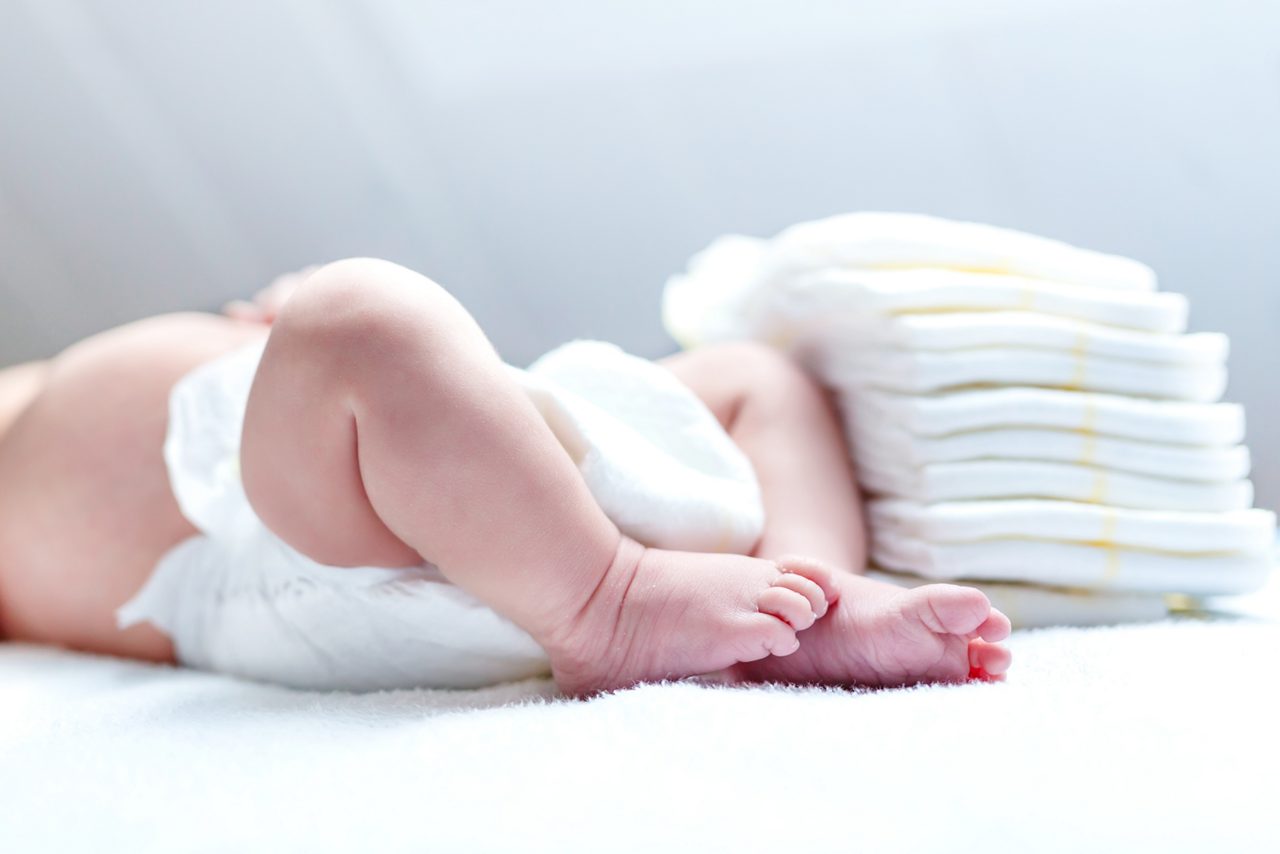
x=553, y=162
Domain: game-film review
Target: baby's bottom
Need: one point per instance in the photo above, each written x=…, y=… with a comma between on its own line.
x=382, y=429
x=86, y=508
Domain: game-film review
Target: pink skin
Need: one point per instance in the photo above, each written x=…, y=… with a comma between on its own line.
x=417, y=445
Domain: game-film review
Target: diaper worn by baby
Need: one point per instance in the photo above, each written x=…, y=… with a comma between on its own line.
x=237, y=599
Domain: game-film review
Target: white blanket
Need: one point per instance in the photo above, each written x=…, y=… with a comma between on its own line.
x=1155, y=738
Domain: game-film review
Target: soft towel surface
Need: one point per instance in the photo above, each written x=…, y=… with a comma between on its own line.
x=1158, y=737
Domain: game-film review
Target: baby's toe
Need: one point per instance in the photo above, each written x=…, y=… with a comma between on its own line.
x=988, y=660
x=947, y=608
x=819, y=573
x=807, y=588
x=788, y=605
x=762, y=635
x=995, y=627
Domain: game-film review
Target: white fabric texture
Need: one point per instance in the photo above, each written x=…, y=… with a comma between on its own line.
x=237, y=599
x=1040, y=417
x=1157, y=737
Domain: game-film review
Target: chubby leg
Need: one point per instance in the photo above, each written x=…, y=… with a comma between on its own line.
x=784, y=422
x=876, y=633
x=383, y=429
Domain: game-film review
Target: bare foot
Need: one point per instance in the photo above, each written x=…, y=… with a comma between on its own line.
x=883, y=635
x=666, y=615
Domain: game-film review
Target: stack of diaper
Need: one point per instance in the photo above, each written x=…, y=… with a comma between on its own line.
x=1022, y=413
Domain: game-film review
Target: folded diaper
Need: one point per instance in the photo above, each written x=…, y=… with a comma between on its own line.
x=237, y=599
x=730, y=287
x=985, y=479
x=1031, y=606
x=838, y=292
x=872, y=240
x=963, y=330
x=1134, y=418
x=1074, y=565
x=886, y=447
x=924, y=371
x=1250, y=531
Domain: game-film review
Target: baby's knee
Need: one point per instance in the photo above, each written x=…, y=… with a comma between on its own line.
x=757, y=370
x=368, y=305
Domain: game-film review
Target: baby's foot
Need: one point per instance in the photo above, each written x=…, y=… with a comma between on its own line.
x=881, y=634
x=666, y=615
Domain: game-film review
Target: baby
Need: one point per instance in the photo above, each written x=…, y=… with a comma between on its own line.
x=383, y=430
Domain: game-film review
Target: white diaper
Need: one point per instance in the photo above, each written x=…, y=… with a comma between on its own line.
x=738, y=285
x=849, y=294
x=1098, y=567
x=1166, y=532
x=878, y=240
x=1029, y=478
x=1161, y=421
x=898, y=452
x=924, y=371
x=963, y=330
x=237, y=599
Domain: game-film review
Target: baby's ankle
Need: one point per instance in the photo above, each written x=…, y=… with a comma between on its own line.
x=574, y=639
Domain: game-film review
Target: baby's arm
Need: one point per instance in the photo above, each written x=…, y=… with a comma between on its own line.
x=785, y=424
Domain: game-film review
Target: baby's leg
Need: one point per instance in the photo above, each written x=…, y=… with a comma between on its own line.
x=382, y=428
x=785, y=424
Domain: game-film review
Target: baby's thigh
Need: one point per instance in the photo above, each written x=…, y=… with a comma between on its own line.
x=727, y=377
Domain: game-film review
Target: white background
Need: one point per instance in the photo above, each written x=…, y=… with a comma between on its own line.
x=553, y=162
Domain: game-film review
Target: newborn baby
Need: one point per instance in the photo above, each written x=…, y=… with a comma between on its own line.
x=382, y=430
